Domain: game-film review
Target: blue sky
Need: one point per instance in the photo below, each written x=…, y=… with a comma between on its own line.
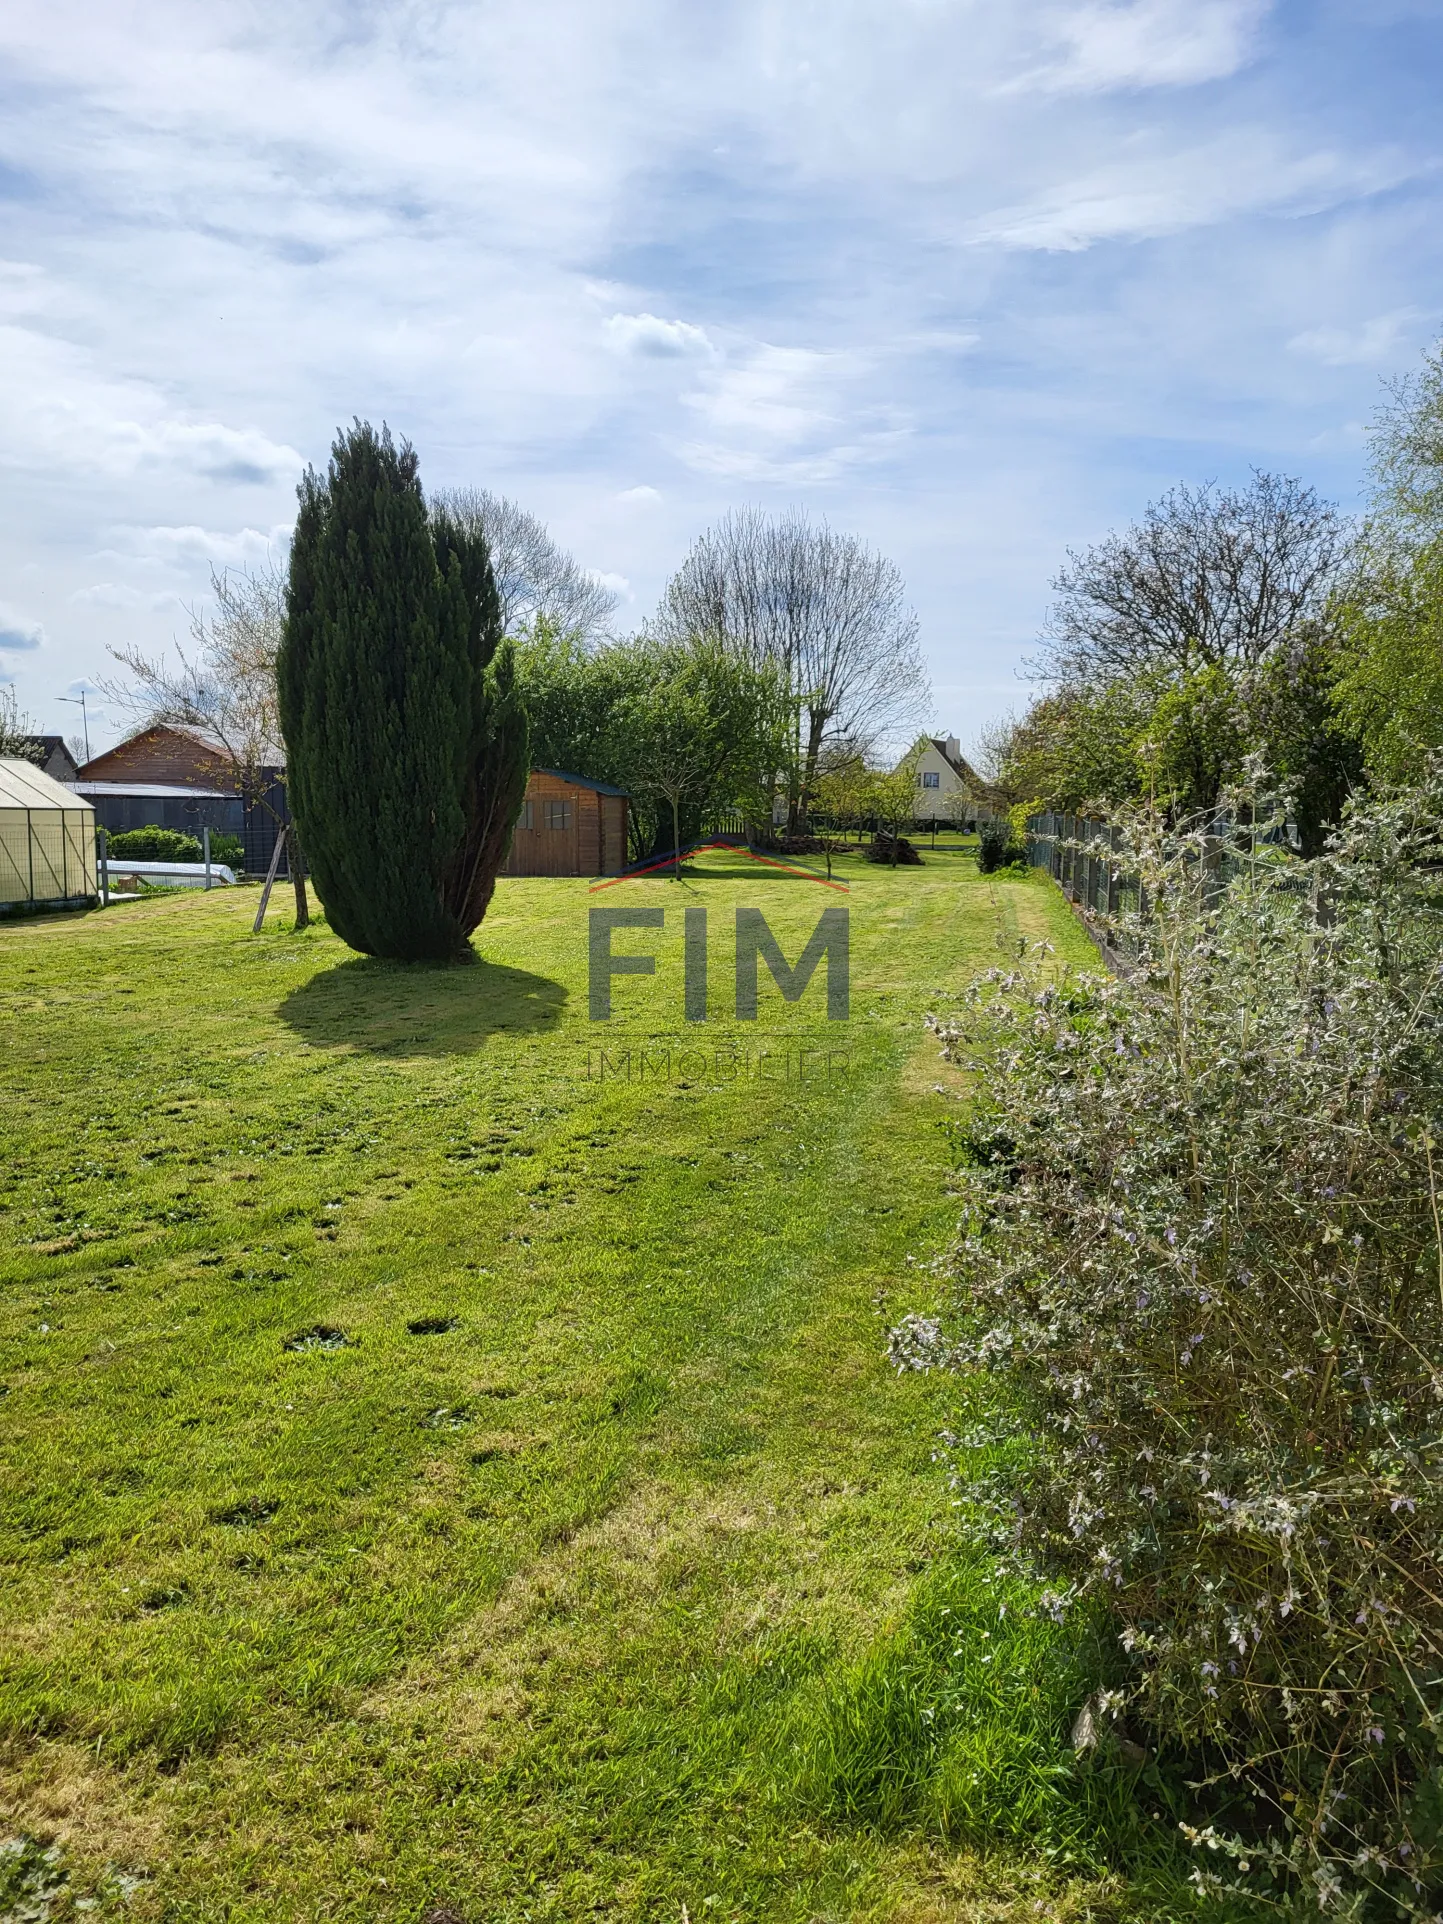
x=972, y=278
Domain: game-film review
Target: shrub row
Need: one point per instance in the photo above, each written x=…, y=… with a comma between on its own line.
x=152, y=844
x=1203, y=1233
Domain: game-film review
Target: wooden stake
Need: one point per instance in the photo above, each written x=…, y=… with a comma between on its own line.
x=276, y=854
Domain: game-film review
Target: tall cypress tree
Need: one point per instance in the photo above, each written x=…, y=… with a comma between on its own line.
x=397, y=729
x=498, y=756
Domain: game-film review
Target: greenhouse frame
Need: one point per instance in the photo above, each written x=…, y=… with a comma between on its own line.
x=47, y=843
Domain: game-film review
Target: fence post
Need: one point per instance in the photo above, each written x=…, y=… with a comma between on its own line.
x=205, y=845
x=102, y=849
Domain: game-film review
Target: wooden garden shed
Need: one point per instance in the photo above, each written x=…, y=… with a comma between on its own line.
x=569, y=826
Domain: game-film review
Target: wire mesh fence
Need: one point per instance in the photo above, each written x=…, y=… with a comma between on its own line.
x=1088, y=859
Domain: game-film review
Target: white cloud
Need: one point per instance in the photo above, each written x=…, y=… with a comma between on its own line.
x=59, y=411
x=614, y=583
x=17, y=632
x=1371, y=344
x=1145, y=43
x=1153, y=194
x=639, y=497
x=190, y=547
x=120, y=595
x=655, y=339
x=786, y=415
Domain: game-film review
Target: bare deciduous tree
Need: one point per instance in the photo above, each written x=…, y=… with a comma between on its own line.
x=828, y=612
x=1211, y=577
x=535, y=579
x=225, y=688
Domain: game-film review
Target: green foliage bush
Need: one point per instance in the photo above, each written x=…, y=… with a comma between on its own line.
x=997, y=845
x=227, y=848
x=1202, y=1233
x=154, y=844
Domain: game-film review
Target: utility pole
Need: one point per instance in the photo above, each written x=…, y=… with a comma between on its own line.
x=78, y=701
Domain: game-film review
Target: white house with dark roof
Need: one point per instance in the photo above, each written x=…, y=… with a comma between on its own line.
x=949, y=789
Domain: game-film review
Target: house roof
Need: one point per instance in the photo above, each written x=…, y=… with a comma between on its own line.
x=23, y=785
x=962, y=768
x=582, y=781
x=273, y=755
x=47, y=744
x=152, y=791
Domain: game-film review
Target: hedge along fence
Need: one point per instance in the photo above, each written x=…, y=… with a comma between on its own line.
x=1202, y=1239
x=1092, y=862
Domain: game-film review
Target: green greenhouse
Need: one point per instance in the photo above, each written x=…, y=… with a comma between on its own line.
x=47, y=843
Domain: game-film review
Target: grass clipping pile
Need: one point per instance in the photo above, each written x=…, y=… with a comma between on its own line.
x=1202, y=1238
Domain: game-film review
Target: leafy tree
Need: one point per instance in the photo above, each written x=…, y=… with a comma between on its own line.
x=575, y=697
x=1206, y=634
x=1392, y=688
x=601, y=713
x=1075, y=748
x=698, y=732
x=407, y=740
x=1407, y=454
x=889, y=796
x=1301, y=732
x=1195, y=739
x=840, y=795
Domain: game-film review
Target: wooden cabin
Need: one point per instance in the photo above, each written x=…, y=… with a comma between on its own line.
x=569, y=826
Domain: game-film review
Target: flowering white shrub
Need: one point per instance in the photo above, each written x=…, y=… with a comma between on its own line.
x=1202, y=1234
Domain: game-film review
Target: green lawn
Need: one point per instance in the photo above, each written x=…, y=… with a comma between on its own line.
x=443, y=1474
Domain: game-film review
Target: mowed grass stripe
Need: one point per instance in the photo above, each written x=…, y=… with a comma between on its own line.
x=341, y=1628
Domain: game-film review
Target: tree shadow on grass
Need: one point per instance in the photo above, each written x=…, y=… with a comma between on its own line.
x=419, y=1009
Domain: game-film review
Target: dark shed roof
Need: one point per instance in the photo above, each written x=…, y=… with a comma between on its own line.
x=581, y=781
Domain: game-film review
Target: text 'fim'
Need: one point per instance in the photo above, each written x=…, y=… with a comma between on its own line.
x=831, y=938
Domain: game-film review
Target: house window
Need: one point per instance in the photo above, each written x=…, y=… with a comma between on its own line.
x=931, y=778
x=558, y=814
x=528, y=815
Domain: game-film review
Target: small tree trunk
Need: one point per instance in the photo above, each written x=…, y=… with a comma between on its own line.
x=298, y=876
